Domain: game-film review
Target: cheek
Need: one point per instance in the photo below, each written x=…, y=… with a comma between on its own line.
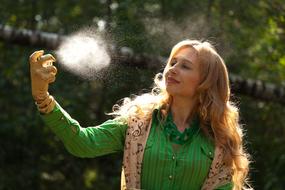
x=191, y=85
x=193, y=80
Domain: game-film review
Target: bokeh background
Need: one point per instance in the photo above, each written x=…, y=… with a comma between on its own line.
x=249, y=34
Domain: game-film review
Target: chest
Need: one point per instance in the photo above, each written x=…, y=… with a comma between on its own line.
x=166, y=164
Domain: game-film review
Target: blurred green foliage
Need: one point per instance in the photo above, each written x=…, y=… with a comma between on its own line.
x=249, y=35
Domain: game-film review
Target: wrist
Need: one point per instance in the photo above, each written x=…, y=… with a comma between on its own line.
x=47, y=105
x=39, y=98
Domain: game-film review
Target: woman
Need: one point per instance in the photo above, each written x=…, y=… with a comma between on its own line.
x=183, y=135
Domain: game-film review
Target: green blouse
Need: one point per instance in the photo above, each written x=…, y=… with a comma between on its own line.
x=167, y=163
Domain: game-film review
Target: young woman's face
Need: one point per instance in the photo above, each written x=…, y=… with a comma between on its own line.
x=182, y=75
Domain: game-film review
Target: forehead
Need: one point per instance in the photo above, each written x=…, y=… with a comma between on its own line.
x=187, y=52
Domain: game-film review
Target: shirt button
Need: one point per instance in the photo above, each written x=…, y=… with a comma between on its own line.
x=173, y=157
x=170, y=177
x=210, y=153
x=62, y=118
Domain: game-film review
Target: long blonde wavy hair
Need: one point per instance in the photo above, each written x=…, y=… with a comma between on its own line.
x=214, y=107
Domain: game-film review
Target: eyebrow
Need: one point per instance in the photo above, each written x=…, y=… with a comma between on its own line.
x=183, y=59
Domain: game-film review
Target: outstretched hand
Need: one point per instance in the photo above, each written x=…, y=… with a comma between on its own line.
x=42, y=74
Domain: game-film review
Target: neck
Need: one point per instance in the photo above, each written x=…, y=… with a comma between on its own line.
x=182, y=110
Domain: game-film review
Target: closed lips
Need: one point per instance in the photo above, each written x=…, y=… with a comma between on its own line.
x=172, y=80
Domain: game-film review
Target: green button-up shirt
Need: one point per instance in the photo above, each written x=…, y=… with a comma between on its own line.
x=166, y=165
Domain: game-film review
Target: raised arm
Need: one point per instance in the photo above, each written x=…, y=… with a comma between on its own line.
x=83, y=142
x=94, y=141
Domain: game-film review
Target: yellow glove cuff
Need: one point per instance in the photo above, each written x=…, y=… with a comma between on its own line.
x=46, y=105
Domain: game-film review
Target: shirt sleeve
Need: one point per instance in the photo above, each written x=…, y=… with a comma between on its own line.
x=89, y=142
x=227, y=186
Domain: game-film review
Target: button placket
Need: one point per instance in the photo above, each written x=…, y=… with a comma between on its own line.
x=171, y=175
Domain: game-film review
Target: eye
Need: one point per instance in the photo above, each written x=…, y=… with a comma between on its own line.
x=185, y=66
x=173, y=62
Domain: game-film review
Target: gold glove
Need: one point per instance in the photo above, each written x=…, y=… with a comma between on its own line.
x=47, y=105
x=42, y=73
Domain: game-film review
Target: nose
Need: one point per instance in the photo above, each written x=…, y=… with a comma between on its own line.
x=173, y=69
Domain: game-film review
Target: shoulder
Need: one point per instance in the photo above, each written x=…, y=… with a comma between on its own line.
x=142, y=118
x=115, y=123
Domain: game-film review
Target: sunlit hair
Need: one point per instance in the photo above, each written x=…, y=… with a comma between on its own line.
x=219, y=117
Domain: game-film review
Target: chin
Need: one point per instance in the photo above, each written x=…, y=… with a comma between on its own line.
x=171, y=91
x=176, y=93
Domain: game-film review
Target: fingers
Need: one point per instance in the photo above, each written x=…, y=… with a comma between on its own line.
x=51, y=69
x=36, y=55
x=47, y=73
x=51, y=79
x=46, y=59
x=48, y=77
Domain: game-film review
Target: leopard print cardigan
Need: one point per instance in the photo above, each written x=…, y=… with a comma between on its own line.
x=136, y=137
